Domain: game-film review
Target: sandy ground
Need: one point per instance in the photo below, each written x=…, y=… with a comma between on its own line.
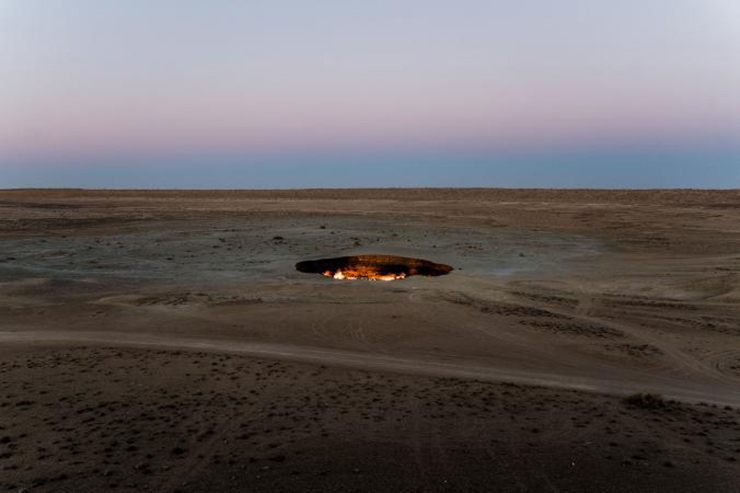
x=163, y=341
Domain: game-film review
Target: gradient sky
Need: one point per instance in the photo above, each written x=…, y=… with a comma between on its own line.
x=336, y=93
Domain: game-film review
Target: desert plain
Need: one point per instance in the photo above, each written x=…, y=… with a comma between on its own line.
x=164, y=341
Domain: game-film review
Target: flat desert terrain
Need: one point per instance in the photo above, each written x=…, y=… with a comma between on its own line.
x=164, y=341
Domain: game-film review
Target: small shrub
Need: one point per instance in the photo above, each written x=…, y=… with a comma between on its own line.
x=648, y=401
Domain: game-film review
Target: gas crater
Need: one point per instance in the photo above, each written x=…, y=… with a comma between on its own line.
x=373, y=267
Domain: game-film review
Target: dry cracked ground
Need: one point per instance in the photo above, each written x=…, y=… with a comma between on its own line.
x=163, y=341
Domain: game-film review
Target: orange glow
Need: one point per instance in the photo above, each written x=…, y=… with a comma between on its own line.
x=361, y=272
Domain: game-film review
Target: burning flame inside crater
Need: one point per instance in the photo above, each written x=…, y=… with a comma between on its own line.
x=373, y=267
x=360, y=273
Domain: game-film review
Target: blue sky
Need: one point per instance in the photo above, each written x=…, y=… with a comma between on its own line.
x=282, y=93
